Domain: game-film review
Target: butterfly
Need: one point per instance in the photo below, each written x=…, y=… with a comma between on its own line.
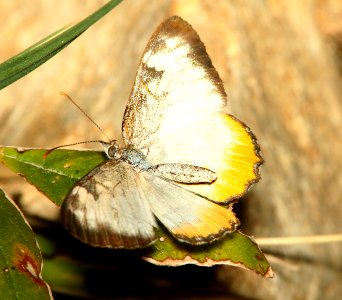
x=183, y=156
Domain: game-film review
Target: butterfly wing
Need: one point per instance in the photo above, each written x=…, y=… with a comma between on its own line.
x=189, y=217
x=175, y=114
x=108, y=208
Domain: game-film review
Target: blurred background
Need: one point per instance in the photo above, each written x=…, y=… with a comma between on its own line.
x=281, y=64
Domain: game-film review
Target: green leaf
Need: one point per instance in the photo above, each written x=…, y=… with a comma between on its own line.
x=235, y=249
x=56, y=174
x=28, y=60
x=20, y=258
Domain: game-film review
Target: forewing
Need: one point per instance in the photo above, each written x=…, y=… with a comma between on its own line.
x=108, y=208
x=189, y=217
x=175, y=114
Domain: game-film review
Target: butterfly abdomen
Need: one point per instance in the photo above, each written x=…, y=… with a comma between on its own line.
x=183, y=173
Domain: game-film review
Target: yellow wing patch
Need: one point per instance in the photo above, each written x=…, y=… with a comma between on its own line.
x=210, y=225
x=237, y=165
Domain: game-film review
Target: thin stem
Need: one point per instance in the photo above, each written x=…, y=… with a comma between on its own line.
x=299, y=240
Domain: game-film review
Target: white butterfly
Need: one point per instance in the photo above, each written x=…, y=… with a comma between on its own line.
x=182, y=154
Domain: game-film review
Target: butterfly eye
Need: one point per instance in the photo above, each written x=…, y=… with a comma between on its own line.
x=113, y=150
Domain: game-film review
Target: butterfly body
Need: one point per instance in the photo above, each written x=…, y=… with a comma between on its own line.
x=184, y=155
x=171, y=171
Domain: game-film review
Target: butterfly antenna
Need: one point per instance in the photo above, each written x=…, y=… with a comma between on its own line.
x=86, y=115
x=73, y=144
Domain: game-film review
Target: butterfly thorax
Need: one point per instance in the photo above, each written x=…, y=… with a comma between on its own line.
x=135, y=157
x=130, y=155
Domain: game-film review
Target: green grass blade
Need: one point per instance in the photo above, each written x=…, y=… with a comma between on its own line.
x=31, y=58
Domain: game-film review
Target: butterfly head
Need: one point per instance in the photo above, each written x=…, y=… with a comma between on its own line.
x=112, y=149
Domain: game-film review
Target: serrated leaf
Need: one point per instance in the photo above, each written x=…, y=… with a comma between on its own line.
x=20, y=257
x=57, y=173
x=31, y=58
